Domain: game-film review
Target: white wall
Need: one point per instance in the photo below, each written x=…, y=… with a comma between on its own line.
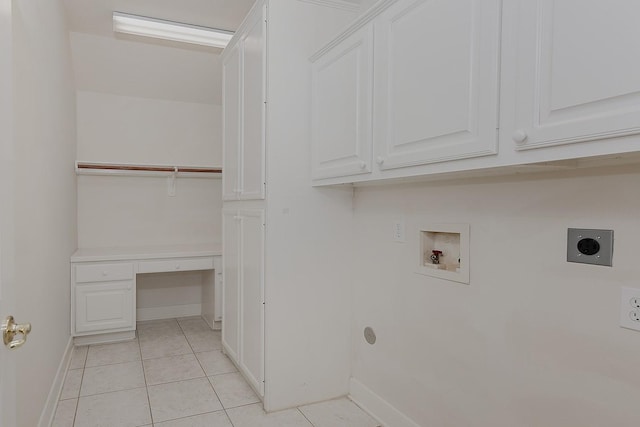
x=45, y=196
x=115, y=128
x=145, y=103
x=533, y=340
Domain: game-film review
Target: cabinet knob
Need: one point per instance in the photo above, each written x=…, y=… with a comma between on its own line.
x=519, y=136
x=380, y=160
x=363, y=164
x=104, y=273
x=178, y=267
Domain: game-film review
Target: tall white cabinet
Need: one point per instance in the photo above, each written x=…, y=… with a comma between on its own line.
x=276, y=228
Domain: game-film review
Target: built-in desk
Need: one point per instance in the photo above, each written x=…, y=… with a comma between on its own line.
x=103, y=286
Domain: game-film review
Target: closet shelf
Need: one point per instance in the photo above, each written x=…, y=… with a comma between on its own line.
x=99, y=168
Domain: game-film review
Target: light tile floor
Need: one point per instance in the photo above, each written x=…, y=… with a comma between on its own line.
x=175, y=375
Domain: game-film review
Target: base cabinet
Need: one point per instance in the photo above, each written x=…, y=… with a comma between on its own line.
x=103, y=298
x=104, y=306
x=243, y=292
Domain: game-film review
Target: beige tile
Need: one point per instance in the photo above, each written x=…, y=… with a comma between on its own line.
x=65, y=413
x=233, y=390
x=108, y=378
x=254, y=416
x=182, y=399
x=205, y=340
x=215, y=363
x=71, y=387
x=127, y=408
x=158, y=328
x=170, y=369
x=192, y=325
x=212, y=419
x=164, y=347
x=337, y=413
x=78, y=357
x=109, y=354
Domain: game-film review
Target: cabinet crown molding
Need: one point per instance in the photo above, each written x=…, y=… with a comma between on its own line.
x=336, y=4
x=360, y=22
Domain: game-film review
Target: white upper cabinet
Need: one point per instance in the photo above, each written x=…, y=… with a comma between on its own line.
x=472, y=85
x=341, y=109
x=244, y=113
x=436, y=81
x=572, y=71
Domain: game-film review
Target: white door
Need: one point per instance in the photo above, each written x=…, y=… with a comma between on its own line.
x=436, y=81
x=231, y=284
x=7, y=357
x=231, y=116
x=572, y=71
x=252, y=296
x=341, y=108
x=252, y=154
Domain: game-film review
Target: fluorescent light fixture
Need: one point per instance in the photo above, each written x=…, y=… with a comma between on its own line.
x=168, y=30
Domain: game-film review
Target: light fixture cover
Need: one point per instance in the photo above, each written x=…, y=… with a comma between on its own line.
x=168, y=30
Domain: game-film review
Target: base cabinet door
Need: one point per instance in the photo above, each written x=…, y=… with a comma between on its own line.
x=571, y=71
x=104, y=306
x=436, y=81
x=231, y=283
x=252, y=297
x=243, y=292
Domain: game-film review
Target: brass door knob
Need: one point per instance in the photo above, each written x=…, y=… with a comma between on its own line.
x=9, y=331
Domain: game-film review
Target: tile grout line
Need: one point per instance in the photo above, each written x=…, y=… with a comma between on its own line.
x=144, y=375
x=75, y=413
x=305, y=417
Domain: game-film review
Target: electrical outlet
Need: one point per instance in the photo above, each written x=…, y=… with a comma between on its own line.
x=630, y=308
x=398, y=231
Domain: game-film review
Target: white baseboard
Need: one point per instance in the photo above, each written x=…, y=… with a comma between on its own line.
x=107, y=338
x=49, y=410
x=155, y=313
x=379, y=408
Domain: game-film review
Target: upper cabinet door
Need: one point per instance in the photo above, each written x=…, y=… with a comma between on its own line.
x=341, y=109
x=436, y=81
x=231, y=120
x=573, y=71
x=252, y=163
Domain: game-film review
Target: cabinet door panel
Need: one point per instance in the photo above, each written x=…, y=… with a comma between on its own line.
x=230, y=289
x=231, y=123
x=253, y=106
x=252, y=297
x=576, y=71
x=341, y=107
x=103, y=306
x=436, y=81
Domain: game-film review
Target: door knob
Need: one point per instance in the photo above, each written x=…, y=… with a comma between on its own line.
x=10, y=329
x=520, y=136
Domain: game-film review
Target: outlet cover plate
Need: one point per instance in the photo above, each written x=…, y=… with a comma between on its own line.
x=629, y=305
x=604, y=256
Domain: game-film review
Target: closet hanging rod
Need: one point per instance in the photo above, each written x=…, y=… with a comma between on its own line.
x=87, y=166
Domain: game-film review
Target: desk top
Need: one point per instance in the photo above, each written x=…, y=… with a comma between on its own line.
x=146, y=252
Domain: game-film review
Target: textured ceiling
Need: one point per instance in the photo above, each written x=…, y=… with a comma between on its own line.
x=148, y=68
